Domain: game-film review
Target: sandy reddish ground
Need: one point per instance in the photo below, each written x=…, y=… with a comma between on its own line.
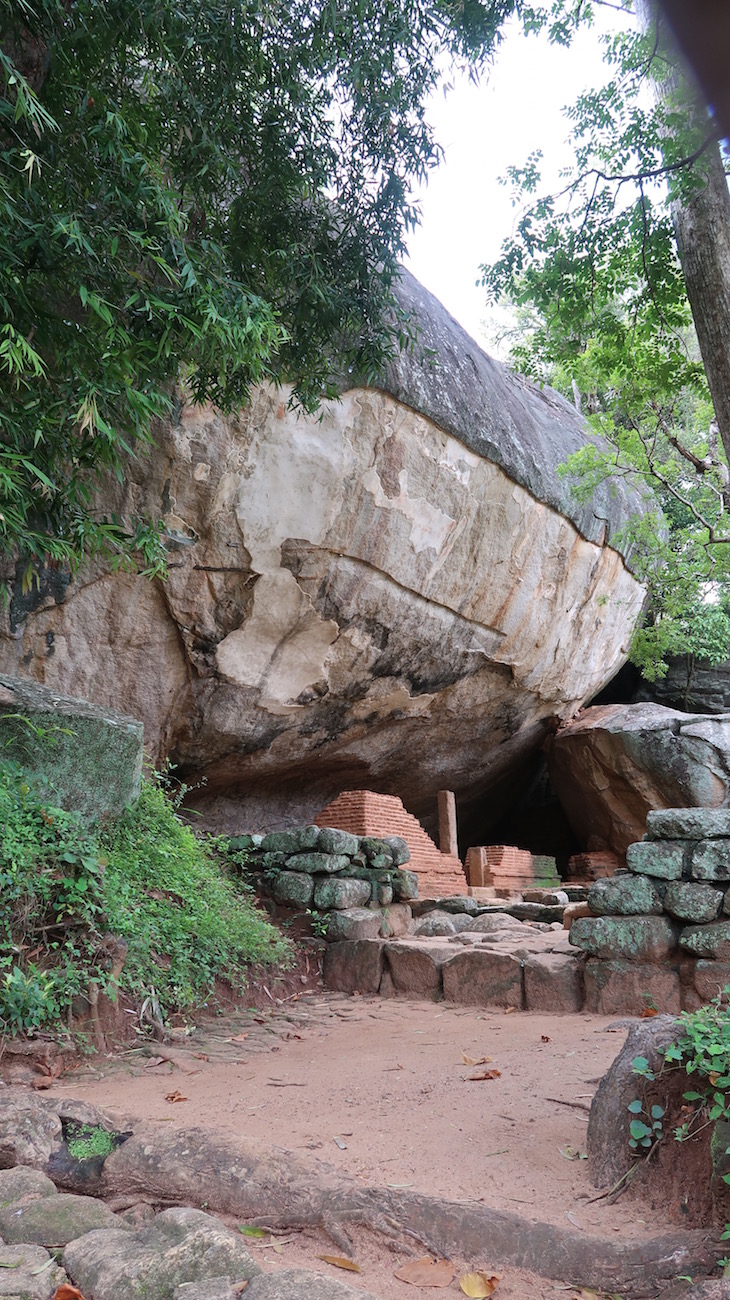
x=387, y=1080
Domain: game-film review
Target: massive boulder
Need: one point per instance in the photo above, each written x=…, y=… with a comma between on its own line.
x=398, y=593
x=613, y=763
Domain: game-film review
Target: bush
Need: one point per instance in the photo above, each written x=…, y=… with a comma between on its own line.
x=185, y=919
x=145, y=878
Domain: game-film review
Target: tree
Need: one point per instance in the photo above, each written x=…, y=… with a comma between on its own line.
x=200, y=194
x=603, y=292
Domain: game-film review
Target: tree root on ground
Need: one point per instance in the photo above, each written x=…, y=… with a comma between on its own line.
x=275, y=1188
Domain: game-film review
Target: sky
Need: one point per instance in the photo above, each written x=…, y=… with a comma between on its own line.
x=484, y=129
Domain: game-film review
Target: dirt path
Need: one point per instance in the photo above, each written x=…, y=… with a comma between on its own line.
x=380, y=1089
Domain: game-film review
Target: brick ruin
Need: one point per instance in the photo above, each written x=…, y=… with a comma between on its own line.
x=362, y=812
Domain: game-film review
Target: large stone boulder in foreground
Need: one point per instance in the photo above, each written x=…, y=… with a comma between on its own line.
x=614, y=763
x=398, y=593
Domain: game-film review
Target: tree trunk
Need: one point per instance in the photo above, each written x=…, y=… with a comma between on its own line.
x=702, y=229
x=701, y=220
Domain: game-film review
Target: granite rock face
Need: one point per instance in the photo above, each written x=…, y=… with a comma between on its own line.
x=397, y=594
x=616, y=762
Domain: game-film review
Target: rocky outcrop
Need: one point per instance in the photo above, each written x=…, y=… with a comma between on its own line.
x=398, y=592
x=614, y=763
x=65, y=744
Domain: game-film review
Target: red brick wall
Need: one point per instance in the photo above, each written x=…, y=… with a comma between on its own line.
x=362, y=812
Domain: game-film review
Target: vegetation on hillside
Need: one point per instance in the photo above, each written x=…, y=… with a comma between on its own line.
x=65, y=887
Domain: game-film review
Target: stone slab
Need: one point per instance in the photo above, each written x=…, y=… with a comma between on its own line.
x=28, y=1273
x=332, y=840
x=688, y=823
x=415, y=969
x=663, y=859
x=354, y=965
x=22, y=1183
x=67, y=745
x=295, y=841
x=629, y=988
x=554, y=982
x=481, y=977
x=318, y=863
x=397, y=921
x=633, y=938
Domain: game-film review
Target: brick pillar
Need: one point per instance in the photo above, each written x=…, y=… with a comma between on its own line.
x=448, y=840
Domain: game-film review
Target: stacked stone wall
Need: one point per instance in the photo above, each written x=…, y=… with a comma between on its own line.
x=658, y=937
x=365, y=813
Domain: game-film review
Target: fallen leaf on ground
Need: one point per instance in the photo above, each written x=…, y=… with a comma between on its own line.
x=570, y=1153
x=426, y=1272
x=474, y=1060
x=66, y=1292
x=339, y=1143
x=155, y=1060
x=249, y=1230
x=478, y=1075
x=544, y=1038
x=42, y=1083
x=648, y=1012
x=238, y=1038
x=17, y=1264
x=479, y=1284
x=510, y=1011
x=174, y=1096
x=341, y=1261
x=201, y=1056
x=573, y=1220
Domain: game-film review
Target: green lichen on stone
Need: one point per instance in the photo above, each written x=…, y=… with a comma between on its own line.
x=292, y=888
x=334, y=892
x=663, y=859
x=711, y=860
x=635, y=938
x=693, y=902
x=624, y=896
x=65, y=744
x=332, y=840
x=318, y=863
x=707, y=940
x=688, y=823
x=288, y=842
x=405, y=886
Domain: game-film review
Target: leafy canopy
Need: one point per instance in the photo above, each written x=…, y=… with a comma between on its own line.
x=208, y=194
x=601, y=312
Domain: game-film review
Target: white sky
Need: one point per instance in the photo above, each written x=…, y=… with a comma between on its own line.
x=483, y=129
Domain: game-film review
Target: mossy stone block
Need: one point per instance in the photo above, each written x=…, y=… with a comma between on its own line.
x=663, y=859
x=635, y=938
x=56, y=1220
x=405, y=886
x=334, y=892
x=318, y=863
x=624, y=896
x=89, y=758
x=293, y=889
x=244, y=843
x=691, y=901
x=688, y=824
x=297, y=841
x=332, y=840
x=399, y=849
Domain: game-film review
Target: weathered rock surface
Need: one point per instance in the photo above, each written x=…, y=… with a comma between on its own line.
x=373, y=597
x=624, y=896
x=609, y=1154
x=28, y=1273
x=179, y=1246
x=65, y=743
x=55, y=1221
x=623, y=988
x=615, y=762
x=692, y=902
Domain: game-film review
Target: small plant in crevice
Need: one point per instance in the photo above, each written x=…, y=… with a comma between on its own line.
x=318, y=922
x=86, y=1141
